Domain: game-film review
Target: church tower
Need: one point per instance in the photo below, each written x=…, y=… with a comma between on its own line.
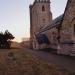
x=40, y=16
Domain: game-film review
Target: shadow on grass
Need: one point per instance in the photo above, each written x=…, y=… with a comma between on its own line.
x=54, y=51
x=49, y=50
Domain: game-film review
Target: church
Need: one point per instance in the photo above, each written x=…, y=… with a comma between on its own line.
x=45, y=32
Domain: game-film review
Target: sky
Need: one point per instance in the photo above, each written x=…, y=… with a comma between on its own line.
x=15, y=16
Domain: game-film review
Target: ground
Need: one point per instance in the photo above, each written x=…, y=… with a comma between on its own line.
x=21, y=62
x=50, y=55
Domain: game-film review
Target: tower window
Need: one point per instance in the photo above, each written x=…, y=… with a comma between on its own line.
x=74, y=28
x=43, y=8
x=43, y=20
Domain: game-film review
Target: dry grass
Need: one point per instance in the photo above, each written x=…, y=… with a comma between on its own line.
x=17, y=62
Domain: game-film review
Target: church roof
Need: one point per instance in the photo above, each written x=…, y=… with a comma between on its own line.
x=42, y=38
x=56, y=22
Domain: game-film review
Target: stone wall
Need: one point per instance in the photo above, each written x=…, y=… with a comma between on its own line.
x=67, y=25
x=66, y=49
x=68, y=30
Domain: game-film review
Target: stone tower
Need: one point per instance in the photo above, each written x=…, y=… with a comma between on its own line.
x=40, y=16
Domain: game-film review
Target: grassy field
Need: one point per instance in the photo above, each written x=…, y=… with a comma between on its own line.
x=19, y=62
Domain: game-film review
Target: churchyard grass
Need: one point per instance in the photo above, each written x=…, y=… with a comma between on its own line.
x=19, y=62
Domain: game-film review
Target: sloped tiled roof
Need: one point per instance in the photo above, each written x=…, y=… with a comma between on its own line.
x=56, y=22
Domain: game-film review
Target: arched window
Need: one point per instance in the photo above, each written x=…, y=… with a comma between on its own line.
x=73, y=24
x=74, y=29
x=43, y=20
x=43, y=8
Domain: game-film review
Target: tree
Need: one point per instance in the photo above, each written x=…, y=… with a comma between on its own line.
x=5, y=39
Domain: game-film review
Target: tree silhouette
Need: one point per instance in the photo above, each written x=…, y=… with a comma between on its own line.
x=5, y=39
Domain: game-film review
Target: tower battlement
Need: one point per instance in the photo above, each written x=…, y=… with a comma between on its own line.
x=48, y=1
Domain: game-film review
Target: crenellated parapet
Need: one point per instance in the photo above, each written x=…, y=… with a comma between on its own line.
x=48, y=1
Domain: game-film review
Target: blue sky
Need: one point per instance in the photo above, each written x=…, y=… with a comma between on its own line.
x=14, y=15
